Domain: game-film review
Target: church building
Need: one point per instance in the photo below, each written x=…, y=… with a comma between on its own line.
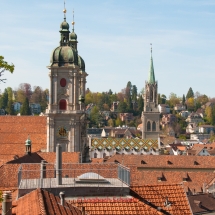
x=150, y=114
x=66, y=109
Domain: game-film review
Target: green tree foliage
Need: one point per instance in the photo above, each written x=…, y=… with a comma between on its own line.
x=128, y=92
x=4, y=100
x=134, y=93
x=140, y=104
x=10, y=108
x=122, y=107
x=190, y=104
x=1, y=196
x=118, y=122
x=163, y=99
x=25, y=109
x=183, y=100
x=210, y=115
x=190, y=93
x=5, y=66
x=173, y=100
x=111, y=122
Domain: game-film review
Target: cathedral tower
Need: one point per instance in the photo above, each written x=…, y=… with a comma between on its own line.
x=66, y=109
x=150, y=114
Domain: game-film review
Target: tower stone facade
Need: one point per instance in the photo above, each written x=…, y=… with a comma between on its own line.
x=150, y=114
x=66, y=110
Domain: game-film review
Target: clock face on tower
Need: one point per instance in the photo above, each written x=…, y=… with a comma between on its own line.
x=62, y=132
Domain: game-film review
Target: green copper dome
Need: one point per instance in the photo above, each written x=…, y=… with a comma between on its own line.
x=64, y=56
x=81, y=63
x=64, y=25
x=73, y=36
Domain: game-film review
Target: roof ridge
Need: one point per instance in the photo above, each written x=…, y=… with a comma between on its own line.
x=41, y=202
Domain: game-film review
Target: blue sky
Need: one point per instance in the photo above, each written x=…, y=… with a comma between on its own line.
x=114, y=40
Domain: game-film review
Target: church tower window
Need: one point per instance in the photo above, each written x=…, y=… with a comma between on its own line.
x=63, y=82
x=148, y=126
x=153, y=126
x=62, y=104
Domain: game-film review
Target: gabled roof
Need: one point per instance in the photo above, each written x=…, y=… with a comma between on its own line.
x=43, y=202
x=29, y=158
x=173, y=196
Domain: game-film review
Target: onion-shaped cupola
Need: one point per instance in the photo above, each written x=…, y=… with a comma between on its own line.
x=64, y=55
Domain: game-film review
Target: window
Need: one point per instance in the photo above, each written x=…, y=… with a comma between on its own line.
x=104, y=155
x=95, y=155
x=62, y=104
x=63, y=82
x=148, y=126
x=153, y=126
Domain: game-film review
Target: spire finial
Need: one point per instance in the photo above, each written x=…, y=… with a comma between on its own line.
x=73, y=22
x=151, y=48
x=64, y=10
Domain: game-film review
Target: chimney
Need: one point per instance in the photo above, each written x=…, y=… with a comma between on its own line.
x=62, y=198
x=7, y=203
x=59, y=164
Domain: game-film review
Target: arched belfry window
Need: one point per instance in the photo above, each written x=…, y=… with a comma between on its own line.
x=62, y=104
x=153, y=126
x=148, y=126
x=151, y=95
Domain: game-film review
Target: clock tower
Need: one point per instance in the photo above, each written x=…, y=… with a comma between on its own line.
x=66, y=123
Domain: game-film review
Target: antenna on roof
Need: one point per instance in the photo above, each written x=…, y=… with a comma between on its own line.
x=151, y=47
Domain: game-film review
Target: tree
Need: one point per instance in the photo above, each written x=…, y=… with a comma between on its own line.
x=10, y=108
x=134, y=93
x=173, y=99
x=190, y=93
x=5, y=66
x=25, y=109
x=4, y=99
x=183, y=100
x=128, y=91
x=190, y=104
x=140, y=104
x=122, y=107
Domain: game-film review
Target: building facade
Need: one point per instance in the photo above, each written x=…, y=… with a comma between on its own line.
x=66, y=109
x=150, y=114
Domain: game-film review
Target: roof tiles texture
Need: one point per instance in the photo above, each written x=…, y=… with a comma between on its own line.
x=160, y=161
x=115, y=206
x=172, y=194
x=14, y=131
x=44, y=203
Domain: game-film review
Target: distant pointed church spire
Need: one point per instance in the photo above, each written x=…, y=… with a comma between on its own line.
x=151, y=77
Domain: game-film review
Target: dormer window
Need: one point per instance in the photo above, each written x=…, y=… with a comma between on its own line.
x=143, y=162
x=196, y=163
x=169, y=162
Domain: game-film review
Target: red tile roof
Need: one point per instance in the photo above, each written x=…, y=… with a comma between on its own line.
x=115, y=206
x=161, y=161
x=67, y=157
x=172, y=195
x=44, y=203
x=14, y=131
